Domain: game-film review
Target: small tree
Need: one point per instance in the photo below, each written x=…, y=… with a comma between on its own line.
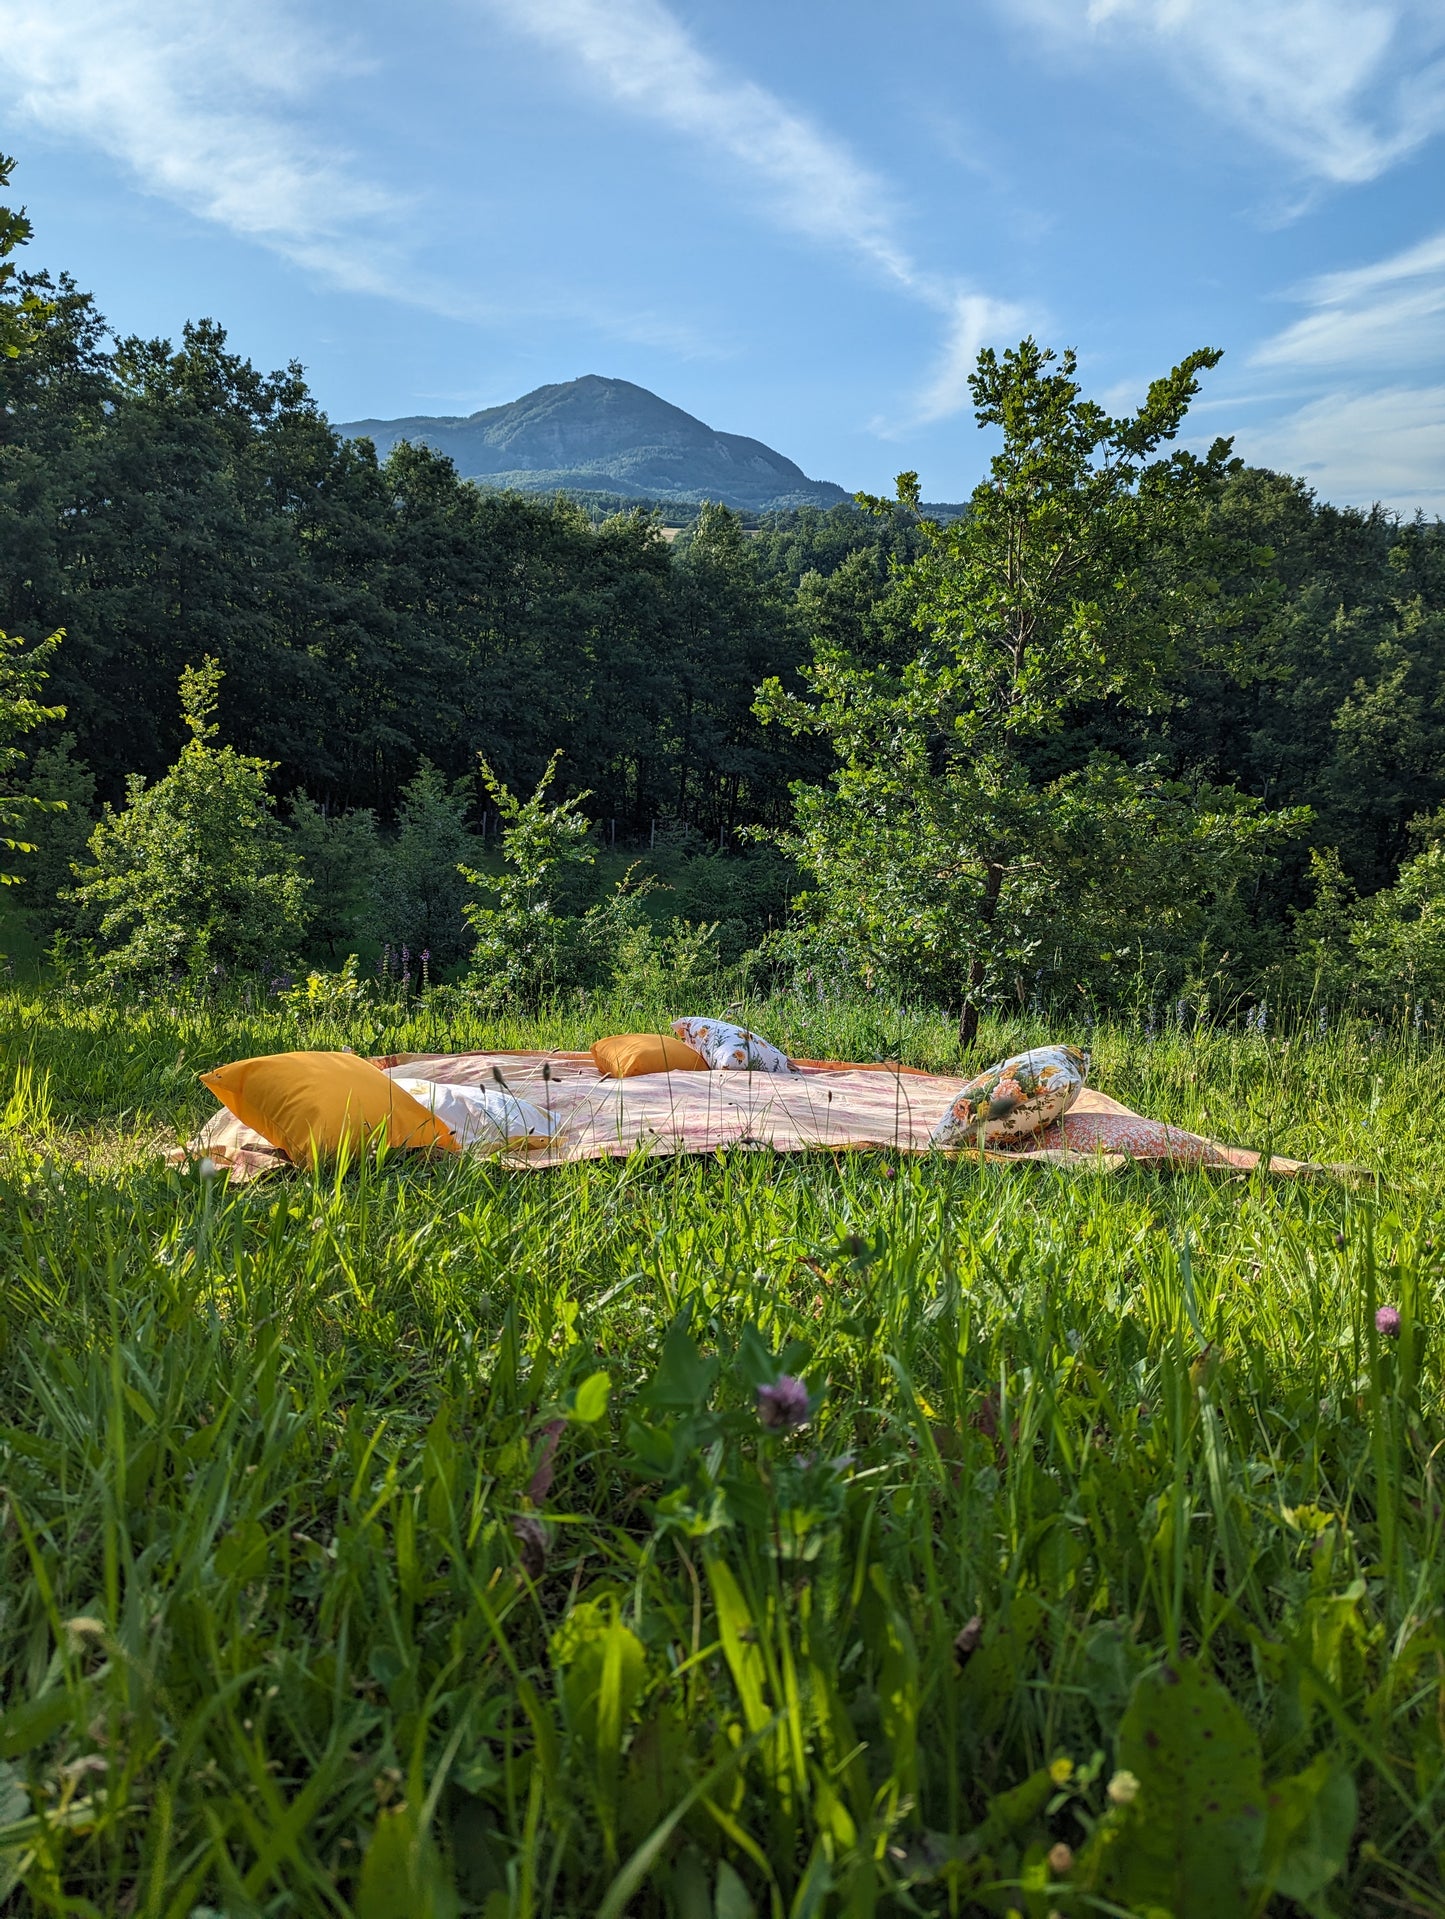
x=947, y=842
x=194, y=872
x=525, y=948
x=419, y=891
x=340, y=860
x=1398, y=935
x=65, y=786
x=21, y=677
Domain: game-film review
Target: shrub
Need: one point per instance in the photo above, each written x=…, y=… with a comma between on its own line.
x=65, y=787
x=420, y=893
x=340, y=859
x=525, y=949
x=194, y=873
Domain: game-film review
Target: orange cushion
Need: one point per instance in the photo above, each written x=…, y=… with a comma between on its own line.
x=628, y=1053
x=311, y=1104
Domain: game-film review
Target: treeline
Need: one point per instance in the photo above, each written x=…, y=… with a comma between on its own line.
x=164, y=503
x=384, y=622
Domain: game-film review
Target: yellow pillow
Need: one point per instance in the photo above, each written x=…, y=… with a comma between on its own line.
x=628, y=1053
x=310, y=1104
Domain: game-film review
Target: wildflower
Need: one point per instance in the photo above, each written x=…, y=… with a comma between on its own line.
x=1061, y=1860
x=208, y=1169
x=1387, y=1321
x=1123, y=1789
x=1061, y=1771
x=783, y=1405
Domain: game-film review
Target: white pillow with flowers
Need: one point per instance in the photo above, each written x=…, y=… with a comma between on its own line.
x=1018, y=1096
x=724, y=1045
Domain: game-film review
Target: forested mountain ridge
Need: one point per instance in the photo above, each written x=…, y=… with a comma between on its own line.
x=602, y=434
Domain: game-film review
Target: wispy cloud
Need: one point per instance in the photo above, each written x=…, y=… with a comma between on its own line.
x=1372, y=346
x=1386, y=445
x=644, y=60
x=975, y=321
x=1347, y=88
x=1386, y=315
x=203, y=104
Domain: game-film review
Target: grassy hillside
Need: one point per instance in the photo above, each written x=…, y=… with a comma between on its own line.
x=411, y=1541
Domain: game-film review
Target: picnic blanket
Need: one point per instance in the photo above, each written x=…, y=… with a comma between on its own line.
x=826, y=1106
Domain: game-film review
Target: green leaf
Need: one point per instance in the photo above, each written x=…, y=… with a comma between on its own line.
x=14, y=1806
x=1191, y=1840
x=1310, y=1822
x=34, y=1722
x=591, y=1401
x=402, y=1876
x=731, y=1901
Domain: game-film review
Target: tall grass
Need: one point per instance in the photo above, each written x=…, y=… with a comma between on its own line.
x=407, y=1540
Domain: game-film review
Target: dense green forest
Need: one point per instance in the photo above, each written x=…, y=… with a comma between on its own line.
x=381, y=624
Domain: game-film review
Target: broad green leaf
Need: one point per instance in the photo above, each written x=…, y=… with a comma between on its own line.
x=402, y=1875
x=1310, y=1823
x=592, y=1396
x=731, y=1900
x=1190, y=1843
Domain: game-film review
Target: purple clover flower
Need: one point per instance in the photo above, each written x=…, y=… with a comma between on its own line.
x=1387, y=1321
x=783, y=1405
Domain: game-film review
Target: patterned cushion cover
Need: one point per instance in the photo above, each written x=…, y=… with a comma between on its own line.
x=723, y=1044
x=1017, y=1097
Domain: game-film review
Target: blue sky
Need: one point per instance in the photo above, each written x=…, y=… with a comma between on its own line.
x=798, y=221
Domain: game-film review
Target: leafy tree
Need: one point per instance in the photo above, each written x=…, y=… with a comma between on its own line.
x=22, y=312
x=339, y=858
x=420, y=893
x=1398, y=934
x=22, y=675
x=936, y=845
x=525, y=948
x=194, y=872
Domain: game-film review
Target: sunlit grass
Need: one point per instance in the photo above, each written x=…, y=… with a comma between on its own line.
x=317, y=1547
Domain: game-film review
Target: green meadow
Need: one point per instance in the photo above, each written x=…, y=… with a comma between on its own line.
x=413, y=1539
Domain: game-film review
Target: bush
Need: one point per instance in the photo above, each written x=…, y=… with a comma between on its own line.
x=194, y=873
x=526, y=951
x=420, y=894
x=65, y=787
x=340, y=859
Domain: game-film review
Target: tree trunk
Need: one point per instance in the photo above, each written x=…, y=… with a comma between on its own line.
x=987, y=908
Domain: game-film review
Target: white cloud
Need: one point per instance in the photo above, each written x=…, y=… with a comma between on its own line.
x=1365, y=440
x=1386, y=446
x=1347, y=88
x=199, y=102
x=644, y=60
x=976, y=320
x=1387, y=315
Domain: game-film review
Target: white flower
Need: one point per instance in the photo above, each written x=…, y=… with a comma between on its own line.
x=1123, y=1789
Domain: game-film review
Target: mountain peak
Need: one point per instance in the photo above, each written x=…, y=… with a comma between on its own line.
x=608, y=435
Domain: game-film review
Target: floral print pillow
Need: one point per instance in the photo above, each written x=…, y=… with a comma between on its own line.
x=724, y=1045
x=1019, y=1096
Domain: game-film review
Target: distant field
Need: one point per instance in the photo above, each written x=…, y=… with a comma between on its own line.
x=413, y=1541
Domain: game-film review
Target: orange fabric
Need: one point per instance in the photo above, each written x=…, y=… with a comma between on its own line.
x=311, y=1104
x=627, y=1054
